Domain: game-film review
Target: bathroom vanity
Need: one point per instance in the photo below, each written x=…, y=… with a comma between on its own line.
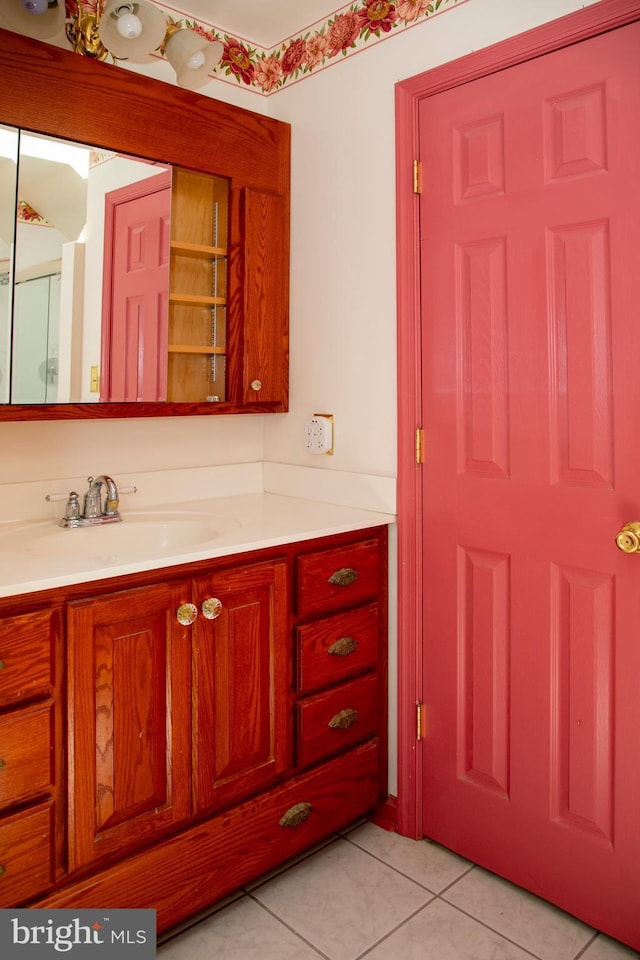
x=172, y=729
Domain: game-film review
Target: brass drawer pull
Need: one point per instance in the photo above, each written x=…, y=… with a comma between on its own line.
x=343, y=647
x=3, y=763
x=343, y=577
x=186, y=614
x=346, y=718
x=296, y=815
x=2, y=664
x=3, y=869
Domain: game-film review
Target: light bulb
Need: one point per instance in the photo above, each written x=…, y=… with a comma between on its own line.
x=129, y=26
x=196, y=60
x=35, y=6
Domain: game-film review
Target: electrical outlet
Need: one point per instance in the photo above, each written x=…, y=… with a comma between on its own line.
x=318, y=433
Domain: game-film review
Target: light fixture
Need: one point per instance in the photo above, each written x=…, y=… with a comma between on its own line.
x=132, y=31
x=40, y=19
x=192, y=57
x=123, y=29
x=35, y=6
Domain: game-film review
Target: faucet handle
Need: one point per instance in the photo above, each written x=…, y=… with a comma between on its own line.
x=54, y=497
x=72, y=511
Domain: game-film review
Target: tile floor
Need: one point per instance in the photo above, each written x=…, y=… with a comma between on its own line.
x=370, y=893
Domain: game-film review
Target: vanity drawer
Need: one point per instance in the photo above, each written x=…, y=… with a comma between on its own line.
x=26, y=854
x=26, y=655
x=26, y=753
x=330, y=579
x=339, y=718
x=337, y=647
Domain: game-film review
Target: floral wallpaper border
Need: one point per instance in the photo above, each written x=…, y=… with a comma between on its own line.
x=347, y=31
x=26, y=214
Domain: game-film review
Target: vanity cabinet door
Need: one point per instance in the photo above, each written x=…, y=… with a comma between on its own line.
x=265, y=375
x=129, y=721
x=241, y=683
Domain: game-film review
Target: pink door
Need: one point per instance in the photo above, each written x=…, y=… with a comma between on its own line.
x=136, y=287
x=530, y=266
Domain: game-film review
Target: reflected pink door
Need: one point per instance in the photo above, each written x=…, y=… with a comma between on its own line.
x=531, y=374
x=136, y=288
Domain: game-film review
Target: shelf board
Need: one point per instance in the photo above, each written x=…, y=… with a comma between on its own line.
x=196, y=300
x=186, y=249
x=194, y=348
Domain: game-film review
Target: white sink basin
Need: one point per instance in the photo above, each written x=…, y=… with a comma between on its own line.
x=138, y=535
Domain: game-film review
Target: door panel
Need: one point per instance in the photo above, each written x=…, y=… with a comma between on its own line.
x=135, y=309
x=241, y=684
x=129, y=668
x=529, y=262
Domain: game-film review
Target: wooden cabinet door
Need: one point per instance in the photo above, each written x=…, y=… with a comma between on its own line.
x=265, y=377
x=129, y=720
x=241, y=683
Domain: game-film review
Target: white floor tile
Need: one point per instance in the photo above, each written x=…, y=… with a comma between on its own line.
x=241, y=931
x=343, y=900
x=440, y=932
x=604, y=948
x=520, y=916
x=425, y=862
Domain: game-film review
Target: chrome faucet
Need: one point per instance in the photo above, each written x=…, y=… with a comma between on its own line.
x=96, y=507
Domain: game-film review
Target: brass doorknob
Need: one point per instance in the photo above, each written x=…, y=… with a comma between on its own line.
x=628, y=540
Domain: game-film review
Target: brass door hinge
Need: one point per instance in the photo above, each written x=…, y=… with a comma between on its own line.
x=419, y=445
x=420, y=721
x=417, y=176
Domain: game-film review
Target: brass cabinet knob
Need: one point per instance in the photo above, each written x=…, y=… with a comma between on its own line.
x=343, y=577
x=211, y=608
x=628, y=540
x=256, y=385
x=186, y=614
x=344, y=719
x=3, y=869
x=296, y=815
x=3, y=763
x=2, y=664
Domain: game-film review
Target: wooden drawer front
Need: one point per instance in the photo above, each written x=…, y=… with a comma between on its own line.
x=26, y=655
x=26, y=753
x=185, y=874
x=337, y=578
x=26, y=854
x=337, y=647
x=330, y=722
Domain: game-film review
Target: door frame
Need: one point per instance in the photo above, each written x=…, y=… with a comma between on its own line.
x=581, y=25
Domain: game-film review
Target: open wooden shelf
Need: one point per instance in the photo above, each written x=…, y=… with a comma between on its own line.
x=194, y=348
x=198, y=286
x=200, y=250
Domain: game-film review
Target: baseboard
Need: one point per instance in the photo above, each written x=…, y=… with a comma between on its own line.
x=386, y=815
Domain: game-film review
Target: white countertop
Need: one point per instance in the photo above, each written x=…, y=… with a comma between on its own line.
x=242, y=523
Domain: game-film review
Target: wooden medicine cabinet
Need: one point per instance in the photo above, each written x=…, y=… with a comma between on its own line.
x=223, y=336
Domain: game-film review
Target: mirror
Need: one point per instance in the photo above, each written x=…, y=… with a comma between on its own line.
x=115, y=277
x=56, y=313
